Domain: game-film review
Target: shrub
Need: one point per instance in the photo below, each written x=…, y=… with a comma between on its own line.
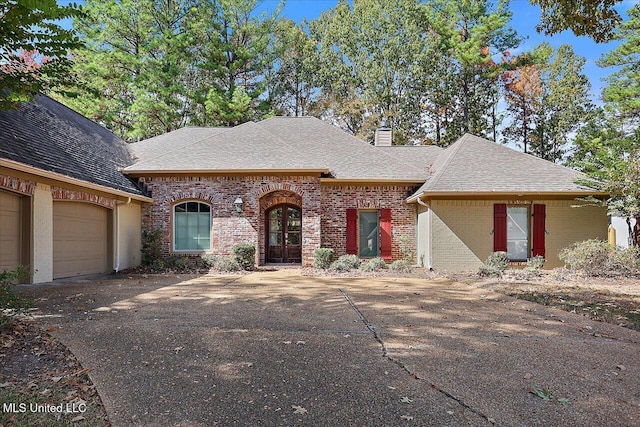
x=406, y=248
x=374, y=264
x=209, y=260
x=152, y=249
x=8, y=298
x=401, y=266
x=590, y=257
x=226, y=264
x=625, y=262
x=534, y=265
x=245, y=255
x=495, y=265
x=322, y=258
x=346, y=263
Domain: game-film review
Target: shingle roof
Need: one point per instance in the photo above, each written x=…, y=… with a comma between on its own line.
x=474, y=164
x=280, y=143
x=159, y=145
x=419, y=156
x=47, y=135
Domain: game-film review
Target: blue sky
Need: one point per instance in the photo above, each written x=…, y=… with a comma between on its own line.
x=524, y=20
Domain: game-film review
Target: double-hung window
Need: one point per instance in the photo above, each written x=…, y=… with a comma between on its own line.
x=518, y=232
x=191, y=226
x=369, y=233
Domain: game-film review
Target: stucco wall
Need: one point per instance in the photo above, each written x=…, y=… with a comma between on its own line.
x=42, y=235
x=461, y=230
x=128, y=236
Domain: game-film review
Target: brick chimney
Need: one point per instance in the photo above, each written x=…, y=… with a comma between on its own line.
x=383, y=136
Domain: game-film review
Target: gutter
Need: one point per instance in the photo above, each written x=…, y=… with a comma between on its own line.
x=503, y=194
x=11, y=164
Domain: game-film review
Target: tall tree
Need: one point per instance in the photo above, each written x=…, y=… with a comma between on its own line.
x=34, y=48
x=470, y=33
x=622, y=92
x=594, y=18
x=366, y=51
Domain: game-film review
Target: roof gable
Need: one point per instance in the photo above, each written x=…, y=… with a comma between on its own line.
x=474, y=164
x=47, y=135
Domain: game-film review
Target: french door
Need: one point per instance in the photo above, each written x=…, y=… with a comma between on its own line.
x=284, y=234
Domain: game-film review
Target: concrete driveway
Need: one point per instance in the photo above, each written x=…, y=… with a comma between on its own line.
x=276, y=348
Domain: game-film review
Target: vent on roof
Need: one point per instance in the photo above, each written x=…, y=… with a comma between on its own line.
x=383, y=136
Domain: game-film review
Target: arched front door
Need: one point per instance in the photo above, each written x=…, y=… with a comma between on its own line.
x=284, y=234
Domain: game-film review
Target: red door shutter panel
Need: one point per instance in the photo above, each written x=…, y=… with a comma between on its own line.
x=500, y=227
x=539, y=217
x=385, y=233
x=352, y=231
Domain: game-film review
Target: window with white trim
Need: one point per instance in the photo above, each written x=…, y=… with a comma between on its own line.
x=517, y=233
x=191, y=226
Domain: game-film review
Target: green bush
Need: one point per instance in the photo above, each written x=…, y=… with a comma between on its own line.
x=209, y=260
x=591, y=257
x=534, y=265
x=625, y=262
x=152, y=249
x=406, y=249
x=401, y=266
x=226, y=264
x=346, y=263
x=245, y=255
x=8, y=298
x=495, y=265
x=374, y=264
x=322, y=258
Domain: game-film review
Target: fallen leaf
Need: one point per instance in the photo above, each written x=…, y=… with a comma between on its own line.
x=391, y=388
x=406, y=417
x=301, y=342
x=527, y=376
x=564, y=401
x=77, y=419
x=56, y=379
x=286, y=342
x=298, y=409
x=405, y=399
x=51, y=329
x=178, y=349
x=621, y=367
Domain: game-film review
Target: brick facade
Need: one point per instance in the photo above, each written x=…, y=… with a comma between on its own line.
x=323, y=209
x=228, y=226
x=336, y=199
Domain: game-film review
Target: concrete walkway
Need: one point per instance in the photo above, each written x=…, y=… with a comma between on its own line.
x=276, y=348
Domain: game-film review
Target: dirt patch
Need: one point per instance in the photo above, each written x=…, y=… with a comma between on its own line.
x=615, y=301
x=42, y=383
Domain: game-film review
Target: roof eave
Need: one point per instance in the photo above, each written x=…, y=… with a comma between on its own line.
x=22, y=167
x=407, y=181
x=569, y=193
x=293, y=171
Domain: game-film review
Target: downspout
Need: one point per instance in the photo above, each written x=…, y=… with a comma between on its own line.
x=117, y=234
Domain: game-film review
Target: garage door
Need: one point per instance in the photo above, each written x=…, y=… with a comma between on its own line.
x=10, y=230
x=80, y=239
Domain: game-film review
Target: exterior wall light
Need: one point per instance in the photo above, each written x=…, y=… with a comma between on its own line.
x=239, y=203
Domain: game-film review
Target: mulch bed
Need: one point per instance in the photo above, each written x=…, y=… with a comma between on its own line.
x=41, y=382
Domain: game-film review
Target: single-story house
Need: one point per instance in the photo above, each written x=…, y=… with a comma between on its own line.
x=66, y=209
x=287, y=185
x=291, y=185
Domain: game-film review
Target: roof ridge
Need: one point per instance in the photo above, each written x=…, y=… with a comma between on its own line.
x=166, y=153
x=441, y=166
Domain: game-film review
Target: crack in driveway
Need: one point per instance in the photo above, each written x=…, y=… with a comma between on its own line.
x=386, y=355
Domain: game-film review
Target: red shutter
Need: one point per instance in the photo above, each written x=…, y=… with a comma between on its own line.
x=539, y=216
x=500, y=227
x=352, y=231
x=385, y=233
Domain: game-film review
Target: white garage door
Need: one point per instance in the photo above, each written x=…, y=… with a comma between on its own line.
x=80, y=239
x=10, y=230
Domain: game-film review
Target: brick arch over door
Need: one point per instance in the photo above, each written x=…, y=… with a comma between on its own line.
x=267, y=201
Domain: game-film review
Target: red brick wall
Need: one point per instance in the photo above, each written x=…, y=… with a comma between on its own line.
x=229, y=227
x=337, y=199
x=323, y=208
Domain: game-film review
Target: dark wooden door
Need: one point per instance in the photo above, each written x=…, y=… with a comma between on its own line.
x=284, y=234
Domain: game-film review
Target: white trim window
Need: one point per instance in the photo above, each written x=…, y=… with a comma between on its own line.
x=191, y=226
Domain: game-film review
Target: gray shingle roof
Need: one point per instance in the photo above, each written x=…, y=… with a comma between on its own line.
x=47, y=135
x=159, y=145
x=282, y=143
x=474, y=164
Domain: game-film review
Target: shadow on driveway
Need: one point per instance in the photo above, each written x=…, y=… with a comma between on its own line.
x=276, y=348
